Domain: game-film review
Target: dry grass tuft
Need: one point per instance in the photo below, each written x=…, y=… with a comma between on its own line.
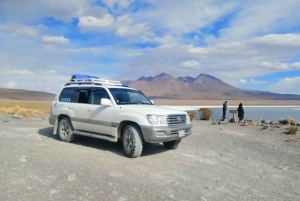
x=291, y=120
x=192, y=115
x=292, y=130
x=206, y=113
x=252, y=122
x=25, y=108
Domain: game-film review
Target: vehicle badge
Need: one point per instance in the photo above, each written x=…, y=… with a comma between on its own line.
x=178, y=119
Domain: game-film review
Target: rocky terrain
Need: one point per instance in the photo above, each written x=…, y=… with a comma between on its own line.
x=225, y=161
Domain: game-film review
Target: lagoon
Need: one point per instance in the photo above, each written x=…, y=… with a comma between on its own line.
x=257, y=113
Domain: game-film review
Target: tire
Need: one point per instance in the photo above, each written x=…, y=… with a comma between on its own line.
x=172, y=144
x=132, y=141
x=65, y=130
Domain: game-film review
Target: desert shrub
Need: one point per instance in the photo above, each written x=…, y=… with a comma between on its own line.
x=206, y=113
x=13, y=110
x=291, y=120
x=192, y=115
x=292, y=130
x=252, y=122
x=23, y=112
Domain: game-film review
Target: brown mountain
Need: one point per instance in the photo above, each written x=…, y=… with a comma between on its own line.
x=164, y=86
x=19, y=94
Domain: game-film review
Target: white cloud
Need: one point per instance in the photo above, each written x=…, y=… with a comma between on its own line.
x=90, y=22
x=125, y=28
x=55, y=39
x=20, y=29
x=243, y=81
x=285, y=40
x=119, y=3
x=11, y=84
x=191, y=64
x=17, y=72
x=253, y=81
x=287, y=86
x=42, y=71
x=252, y=18
x=280, y=66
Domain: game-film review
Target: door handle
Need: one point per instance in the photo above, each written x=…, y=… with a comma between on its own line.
x=71, y=107
x=91, y=109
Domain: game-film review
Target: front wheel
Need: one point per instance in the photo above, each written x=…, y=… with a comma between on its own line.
x=132, y=141
x=65, y=130
x=172, y=144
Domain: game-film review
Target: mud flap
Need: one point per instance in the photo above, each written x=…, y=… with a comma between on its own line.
x=55, y=127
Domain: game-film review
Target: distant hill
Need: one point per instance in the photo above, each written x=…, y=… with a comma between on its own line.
x=164, y=86
x=19, y=94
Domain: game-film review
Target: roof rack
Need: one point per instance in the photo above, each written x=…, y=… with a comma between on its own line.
x=94, y=81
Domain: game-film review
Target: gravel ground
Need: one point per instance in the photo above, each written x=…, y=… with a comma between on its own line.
x=217, y=162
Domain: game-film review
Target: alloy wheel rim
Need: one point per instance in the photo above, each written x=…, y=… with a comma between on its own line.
x=64, y=130
x=128, y=141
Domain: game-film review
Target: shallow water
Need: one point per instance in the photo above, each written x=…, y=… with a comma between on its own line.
x=257, y=113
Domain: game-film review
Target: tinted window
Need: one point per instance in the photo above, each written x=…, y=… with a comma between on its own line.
x=68, y=95
x=83, y=95
x=96, y=94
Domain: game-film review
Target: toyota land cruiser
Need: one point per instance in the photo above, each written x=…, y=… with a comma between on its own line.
x=105, y=109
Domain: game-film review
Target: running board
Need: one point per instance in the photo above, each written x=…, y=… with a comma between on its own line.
x=96, y=135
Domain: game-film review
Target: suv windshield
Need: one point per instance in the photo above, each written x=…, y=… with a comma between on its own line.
x=124, y=96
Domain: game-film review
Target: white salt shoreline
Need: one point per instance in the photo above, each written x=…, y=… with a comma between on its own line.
x=189, y=108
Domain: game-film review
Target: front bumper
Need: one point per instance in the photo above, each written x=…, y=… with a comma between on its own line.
x=52, y=120
x=157, y=134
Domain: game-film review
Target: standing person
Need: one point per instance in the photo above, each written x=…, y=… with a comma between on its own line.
x=240, y=112
x=224, y=110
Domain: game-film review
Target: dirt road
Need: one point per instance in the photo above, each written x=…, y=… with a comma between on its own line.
x=217, y=162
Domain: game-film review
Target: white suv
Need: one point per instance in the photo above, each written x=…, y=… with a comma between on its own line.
x=107, y=110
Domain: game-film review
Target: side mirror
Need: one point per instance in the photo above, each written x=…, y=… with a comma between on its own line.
x=152, y=102
x=105, y=101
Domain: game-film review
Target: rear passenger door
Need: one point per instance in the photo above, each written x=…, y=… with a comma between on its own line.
x=80, y=108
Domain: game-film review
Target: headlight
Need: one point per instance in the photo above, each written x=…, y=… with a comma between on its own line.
x=188, y=119
x=157, y=119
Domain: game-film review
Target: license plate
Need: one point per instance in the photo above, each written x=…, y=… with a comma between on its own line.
x=181, y=133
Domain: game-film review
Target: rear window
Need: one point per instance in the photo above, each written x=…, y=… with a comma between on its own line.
x=68, y=95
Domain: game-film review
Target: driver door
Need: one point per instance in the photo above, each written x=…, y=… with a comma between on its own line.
x=100, y=116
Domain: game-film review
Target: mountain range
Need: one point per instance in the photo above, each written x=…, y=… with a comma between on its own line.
x=164, y=86
x=204, y=86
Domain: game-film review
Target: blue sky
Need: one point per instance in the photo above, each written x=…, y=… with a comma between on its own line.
x=248, y=44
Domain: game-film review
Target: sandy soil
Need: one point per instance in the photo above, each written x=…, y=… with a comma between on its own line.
x=217, y=162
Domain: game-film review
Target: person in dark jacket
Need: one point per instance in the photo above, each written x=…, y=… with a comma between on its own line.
x=240, y=112
x=224, y=110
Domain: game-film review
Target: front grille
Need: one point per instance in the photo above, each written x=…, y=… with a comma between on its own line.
x=176, y=119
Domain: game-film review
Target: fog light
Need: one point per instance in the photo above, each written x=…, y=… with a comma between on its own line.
x=160, y=133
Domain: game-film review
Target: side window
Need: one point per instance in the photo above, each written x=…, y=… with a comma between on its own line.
x=97, y=94
x=67, y=95
x=83, y=95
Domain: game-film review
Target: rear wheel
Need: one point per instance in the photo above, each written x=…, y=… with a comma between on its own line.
x=132, y=141
x=65, y=130
x=172, y=144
